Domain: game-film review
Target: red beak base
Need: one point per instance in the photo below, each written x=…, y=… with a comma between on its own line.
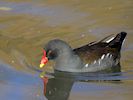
x=44, y=59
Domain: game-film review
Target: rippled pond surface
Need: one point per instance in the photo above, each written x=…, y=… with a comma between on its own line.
x=26, y=25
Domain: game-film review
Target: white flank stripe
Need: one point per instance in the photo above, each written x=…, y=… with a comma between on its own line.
x=103, y=56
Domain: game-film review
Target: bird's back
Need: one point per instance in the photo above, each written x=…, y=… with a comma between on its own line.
x=92, y=52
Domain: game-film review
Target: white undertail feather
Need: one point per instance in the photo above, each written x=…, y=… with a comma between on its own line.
x=109, y=40
x=123, y=42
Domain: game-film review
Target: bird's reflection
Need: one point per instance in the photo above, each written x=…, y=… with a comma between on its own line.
x=59, y=87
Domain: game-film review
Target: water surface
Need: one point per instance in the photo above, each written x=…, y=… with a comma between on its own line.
x=25, y=26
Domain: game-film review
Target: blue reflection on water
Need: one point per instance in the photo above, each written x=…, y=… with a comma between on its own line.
x=17, y=85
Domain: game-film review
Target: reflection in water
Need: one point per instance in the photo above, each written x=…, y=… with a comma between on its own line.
x=19, y=85
x=16, y=85
x=27, y=25
x=60, y=87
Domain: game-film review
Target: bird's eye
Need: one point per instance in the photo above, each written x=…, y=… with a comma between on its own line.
x=51, y=54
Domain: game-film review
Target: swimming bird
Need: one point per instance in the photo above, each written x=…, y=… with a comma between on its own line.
x=93, y=57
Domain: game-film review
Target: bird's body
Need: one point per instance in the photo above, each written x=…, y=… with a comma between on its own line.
x=93, y=57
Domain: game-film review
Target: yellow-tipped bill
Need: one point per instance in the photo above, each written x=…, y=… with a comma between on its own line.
x=42, y=65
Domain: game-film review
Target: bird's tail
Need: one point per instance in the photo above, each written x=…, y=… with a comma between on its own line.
x=117, y=41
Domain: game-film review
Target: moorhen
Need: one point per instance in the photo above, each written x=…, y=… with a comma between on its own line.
x=93, y=57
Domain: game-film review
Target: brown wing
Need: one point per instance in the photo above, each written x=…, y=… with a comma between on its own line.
x=90, y=53
x=94, y=50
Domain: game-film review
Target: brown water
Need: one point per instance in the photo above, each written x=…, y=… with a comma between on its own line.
x=26, y=25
